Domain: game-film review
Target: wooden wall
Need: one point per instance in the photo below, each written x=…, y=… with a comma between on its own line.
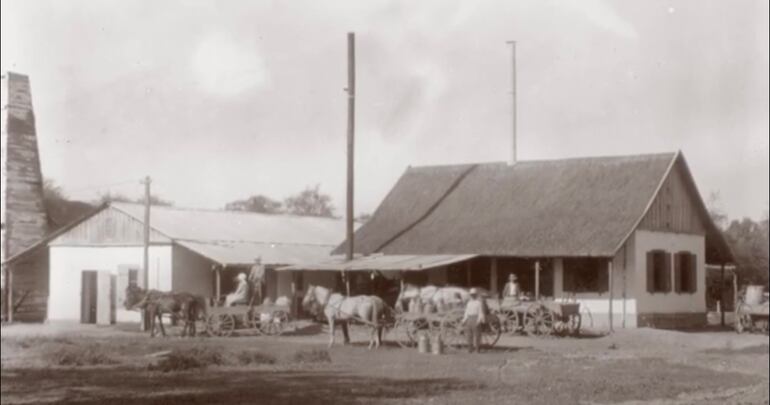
x=109, y=227
x=675, y=208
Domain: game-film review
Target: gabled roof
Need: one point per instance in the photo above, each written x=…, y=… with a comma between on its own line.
x=555, y=208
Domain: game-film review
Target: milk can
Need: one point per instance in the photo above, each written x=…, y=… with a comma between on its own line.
x=437, y=345
x=423, y=345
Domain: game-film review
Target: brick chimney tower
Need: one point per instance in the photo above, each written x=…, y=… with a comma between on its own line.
x=24, y=218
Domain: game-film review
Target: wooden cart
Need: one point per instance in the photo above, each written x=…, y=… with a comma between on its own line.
x=447, y=324
x=538, y=318
x=263, y=319
x=752, y=310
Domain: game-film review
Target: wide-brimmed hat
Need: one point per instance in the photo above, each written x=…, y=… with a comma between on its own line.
x=473, y=291
x=513, y=276
x=241, y=276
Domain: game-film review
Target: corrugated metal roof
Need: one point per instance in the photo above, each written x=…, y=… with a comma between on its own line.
x=234, y=237
x=244, y=253
x=381, y=263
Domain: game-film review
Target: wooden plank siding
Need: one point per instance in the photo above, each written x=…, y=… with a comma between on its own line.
x=674, y=209
x=110, y=227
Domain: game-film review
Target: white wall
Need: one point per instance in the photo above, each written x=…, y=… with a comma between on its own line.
x=671, y=302
x=67, y=264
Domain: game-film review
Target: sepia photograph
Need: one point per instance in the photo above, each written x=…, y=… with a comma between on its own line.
x=385, y=202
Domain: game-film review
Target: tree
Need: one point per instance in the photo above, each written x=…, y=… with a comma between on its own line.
x=257, y=203
x=116, y=197
x=59, y=208
x=364, y=217
x=749, y=242
x=715, y=210
x=310, y=202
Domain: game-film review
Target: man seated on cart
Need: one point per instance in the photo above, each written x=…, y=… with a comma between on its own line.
x=511, y=291
x=241, y=294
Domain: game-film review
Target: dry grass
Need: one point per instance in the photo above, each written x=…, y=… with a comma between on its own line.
x=58, y=354
x=254, y=357
x=196, y=357
x=312, y=356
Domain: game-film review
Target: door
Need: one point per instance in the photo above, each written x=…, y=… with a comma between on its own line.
x=88, y=297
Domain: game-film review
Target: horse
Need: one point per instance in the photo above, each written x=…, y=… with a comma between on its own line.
x=337, y=308
x=441, y=298
x=188, y=307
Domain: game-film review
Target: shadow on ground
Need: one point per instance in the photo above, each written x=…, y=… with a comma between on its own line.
x=127, y=386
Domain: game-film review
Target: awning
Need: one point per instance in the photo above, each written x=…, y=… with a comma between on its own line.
x=380, y=263
x=229, y=253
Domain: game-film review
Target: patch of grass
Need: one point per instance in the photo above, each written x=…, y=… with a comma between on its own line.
x=312, y=356
x=249, y=357
x=34, y=342
x=196, y=357
x=729, y=350
x=59, y=354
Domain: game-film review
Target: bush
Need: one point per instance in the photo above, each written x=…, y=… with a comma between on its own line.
x=247, y=357
x=312, y=356
x=181, y=359
x=72, y=355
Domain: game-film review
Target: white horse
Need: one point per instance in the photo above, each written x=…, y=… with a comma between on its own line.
x=337, y=308
x=442, y=298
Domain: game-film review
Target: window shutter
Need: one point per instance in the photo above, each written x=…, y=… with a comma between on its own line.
x=667, y=272
x=678, y=287
x=693, y=270
x=650, y=272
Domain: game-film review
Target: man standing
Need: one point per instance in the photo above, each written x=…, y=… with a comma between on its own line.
x=257, y=278
x=511, y=290
x=473, y=318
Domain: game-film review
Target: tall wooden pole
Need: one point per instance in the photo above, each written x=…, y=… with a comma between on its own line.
x=722, y=295
x=537, y=280
x=351, y=137
x=146, y=252
x=513, y=96
x=9, y=293
x=610, y=282
x=493, y=276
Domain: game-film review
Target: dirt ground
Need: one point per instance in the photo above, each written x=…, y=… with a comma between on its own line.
x=631, y=366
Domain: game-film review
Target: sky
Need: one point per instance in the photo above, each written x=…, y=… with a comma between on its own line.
x=217, y=101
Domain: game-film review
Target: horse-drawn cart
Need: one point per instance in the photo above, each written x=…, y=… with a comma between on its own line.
x=263, y=319
x=446, y=324
x=538, y=318
x=752, y=310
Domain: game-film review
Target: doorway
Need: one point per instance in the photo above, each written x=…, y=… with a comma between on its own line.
x=88, y=296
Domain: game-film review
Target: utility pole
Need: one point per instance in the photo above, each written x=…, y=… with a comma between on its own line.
x=513, y=95
x=146, y=250
x=351, y=90
x=146, y=255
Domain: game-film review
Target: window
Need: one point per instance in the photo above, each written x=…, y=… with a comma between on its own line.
x=685, y=273
x=585, y=275
x=658, y=271
x=133, y=277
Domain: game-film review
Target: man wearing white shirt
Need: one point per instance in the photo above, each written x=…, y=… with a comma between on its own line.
x=473, y=318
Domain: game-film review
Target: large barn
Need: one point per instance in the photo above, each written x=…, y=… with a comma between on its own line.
x=627, y=237
x=92, y=261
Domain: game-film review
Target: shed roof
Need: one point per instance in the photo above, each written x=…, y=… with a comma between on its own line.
x=555, y=208
x=381, y=263
x=237, y=238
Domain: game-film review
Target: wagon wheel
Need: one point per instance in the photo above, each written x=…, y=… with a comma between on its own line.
x=220, y=324
x=404, y=330
x=491, y=331
x=538, y=321
x=509, y=321
x=743, y=321
x=452, y=331
x=573, y=324
x=275, y=324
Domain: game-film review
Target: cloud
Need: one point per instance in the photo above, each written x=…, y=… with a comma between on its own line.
x=603, y=16
x=223, y=66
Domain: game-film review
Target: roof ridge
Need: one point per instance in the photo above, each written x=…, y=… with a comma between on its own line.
x=223, y=211
x=253, y=242
x=564, y=159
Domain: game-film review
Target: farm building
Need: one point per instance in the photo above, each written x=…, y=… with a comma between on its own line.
x=92, y=261
x=627, y=237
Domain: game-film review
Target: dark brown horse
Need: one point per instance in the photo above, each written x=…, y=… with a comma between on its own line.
x=185, y=306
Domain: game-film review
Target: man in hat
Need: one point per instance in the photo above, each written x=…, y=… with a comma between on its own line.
x=511, y=290
x=256, y=278
x=241, y=294
x=473, y=318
